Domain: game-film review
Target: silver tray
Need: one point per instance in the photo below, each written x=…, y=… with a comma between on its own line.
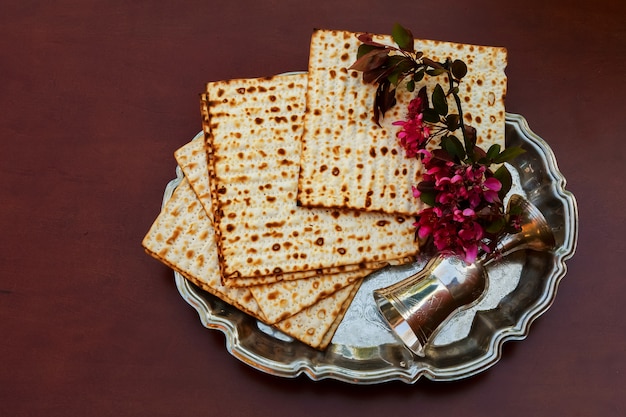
x=364, y=351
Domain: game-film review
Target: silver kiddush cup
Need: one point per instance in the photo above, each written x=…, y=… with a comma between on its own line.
x=417, y=306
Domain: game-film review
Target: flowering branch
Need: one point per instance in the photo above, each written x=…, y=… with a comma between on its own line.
x=464, y=213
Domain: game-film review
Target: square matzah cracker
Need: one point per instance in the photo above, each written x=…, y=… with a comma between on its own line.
x=313, y=325
x=253, y=129
x=182, y=238
x=347, y=160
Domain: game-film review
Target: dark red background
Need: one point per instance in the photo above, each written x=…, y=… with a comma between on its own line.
x=96, y=95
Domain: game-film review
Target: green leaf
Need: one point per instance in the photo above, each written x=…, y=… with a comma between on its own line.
x=453, y=146
x=423, y=94
x=419, y=75
x=440, y=103
x=365, y=49
x=428, y=198
x=504, y=176
x=401, y=67
x=402, y=37
x=508, y=154
x=395, y=60
x=410, y=86
x=431, y=115
x=394, y=77
x=452, y=122
x=436, y=71
x=496, y=225
x=459, y=69
x=493, y=151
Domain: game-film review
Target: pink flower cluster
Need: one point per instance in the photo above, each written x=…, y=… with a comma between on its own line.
x=414, y=133
x=464, y=213
x=463, y=196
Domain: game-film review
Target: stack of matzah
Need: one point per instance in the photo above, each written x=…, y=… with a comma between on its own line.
x=293, y=195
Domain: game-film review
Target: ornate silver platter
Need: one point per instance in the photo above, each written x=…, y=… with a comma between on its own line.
x=364, y=351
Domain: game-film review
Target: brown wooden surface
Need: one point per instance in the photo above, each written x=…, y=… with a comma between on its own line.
x=96, y=95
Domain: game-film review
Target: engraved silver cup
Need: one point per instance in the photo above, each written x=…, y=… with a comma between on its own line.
x=417, y=306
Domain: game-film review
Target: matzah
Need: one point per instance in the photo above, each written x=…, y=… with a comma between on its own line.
x=253, y=129
x=347, y=159
x=181, y=237
x=279, y=300
x=192, y=160
x=308, y=325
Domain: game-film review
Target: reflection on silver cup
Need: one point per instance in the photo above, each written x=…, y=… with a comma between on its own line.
x=416, y=307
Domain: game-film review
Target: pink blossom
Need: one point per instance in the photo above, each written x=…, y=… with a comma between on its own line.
x=465, y=194
x=414, y=133
x=493, y=184
x=461, y=192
